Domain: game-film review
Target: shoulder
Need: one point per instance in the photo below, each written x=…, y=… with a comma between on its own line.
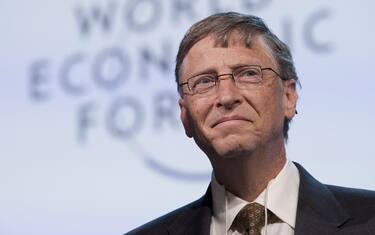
x=359, y=202
x=335, y=203
x=160, y=225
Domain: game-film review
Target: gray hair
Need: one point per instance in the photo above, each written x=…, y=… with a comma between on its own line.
x=221, y=26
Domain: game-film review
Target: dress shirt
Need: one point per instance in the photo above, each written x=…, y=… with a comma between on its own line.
x=282, y=198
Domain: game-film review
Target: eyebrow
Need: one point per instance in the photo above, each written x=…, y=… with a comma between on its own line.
x=204, y=71
x=213, y=71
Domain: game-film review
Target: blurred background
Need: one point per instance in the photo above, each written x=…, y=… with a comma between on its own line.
x=91, y=142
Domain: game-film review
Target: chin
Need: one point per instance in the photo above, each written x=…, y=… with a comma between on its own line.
x=232, y=154
x=235, y=147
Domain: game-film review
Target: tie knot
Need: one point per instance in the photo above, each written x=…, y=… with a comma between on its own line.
x=251, y=218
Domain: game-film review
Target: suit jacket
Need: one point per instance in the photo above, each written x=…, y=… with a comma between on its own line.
x=322, y=209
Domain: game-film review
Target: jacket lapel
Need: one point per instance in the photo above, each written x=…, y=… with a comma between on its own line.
x=318, y=211
x=196, y=220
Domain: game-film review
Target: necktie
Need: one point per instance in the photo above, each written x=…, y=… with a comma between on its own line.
x=250, y=219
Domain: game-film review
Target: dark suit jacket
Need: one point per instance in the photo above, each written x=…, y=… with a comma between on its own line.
x=322, y=209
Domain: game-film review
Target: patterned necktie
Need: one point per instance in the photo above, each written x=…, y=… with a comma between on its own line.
x=250, y=219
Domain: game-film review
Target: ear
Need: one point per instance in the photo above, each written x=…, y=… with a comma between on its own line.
x=185, y=118
x=290, y=98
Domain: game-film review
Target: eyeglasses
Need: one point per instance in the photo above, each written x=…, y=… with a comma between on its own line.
x=244, y=77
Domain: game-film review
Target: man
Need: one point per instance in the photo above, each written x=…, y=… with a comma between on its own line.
x=238, y=93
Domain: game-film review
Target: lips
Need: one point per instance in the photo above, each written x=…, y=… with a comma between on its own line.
x=228, y=119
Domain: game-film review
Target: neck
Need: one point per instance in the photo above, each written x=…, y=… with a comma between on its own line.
x=247, y=176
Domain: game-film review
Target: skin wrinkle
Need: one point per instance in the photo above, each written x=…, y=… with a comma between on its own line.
x=235, y=39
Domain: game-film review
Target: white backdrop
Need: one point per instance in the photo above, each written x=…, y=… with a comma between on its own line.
x=90, y=137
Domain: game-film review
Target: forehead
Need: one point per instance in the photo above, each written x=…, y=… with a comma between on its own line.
x=207, y=55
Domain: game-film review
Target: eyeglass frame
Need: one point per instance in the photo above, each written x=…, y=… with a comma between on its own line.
x=227, y=74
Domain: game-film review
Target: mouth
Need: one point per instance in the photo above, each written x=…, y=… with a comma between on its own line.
x=229, y=120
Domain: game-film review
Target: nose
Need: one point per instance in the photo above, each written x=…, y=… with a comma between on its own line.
x=228, y=95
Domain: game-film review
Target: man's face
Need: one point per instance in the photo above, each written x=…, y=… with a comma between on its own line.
x=230, y=121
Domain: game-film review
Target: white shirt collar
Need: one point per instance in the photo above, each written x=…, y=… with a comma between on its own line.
x=281, y=200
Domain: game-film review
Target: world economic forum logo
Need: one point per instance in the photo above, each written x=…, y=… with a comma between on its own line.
x=123, y=87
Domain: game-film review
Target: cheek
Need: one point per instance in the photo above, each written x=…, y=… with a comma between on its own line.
x=199, y=110
x=272, y=106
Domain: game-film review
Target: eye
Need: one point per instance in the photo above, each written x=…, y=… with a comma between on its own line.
x=201, y=82
x=248, y=74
